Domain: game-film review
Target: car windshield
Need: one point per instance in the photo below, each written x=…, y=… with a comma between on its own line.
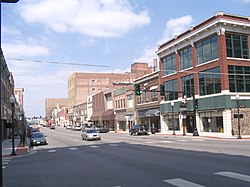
x=91, y=131
x=37, y=135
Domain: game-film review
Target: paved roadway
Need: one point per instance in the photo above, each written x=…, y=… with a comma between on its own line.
x=123, y=160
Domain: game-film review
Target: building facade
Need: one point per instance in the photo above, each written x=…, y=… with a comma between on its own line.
x=209, y=63
x=51, y=103
x=147, y=104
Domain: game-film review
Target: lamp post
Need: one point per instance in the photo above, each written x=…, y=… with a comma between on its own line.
x=172, y=105
x=237, y=97
x=12, y=102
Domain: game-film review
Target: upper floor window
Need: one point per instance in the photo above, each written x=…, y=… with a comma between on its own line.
x=154, y=95
x=207, y=50
x=171, y=86
x=237, y=46
x=187, y=84
x=169, y=64
x=210, y=81
x=186, y=58
x=239, y=78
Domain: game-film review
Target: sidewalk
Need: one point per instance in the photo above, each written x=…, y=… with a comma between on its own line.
x=20, y=150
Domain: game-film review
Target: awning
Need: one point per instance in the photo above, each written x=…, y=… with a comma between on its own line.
x=108, y=115
x=152, y=112
x=141, y=113
x=95, y=118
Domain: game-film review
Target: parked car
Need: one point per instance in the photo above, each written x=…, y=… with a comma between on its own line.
x=53, y=126
x=38, y=138
x=68, y=127
x=138, y=129
x=90, y=134
x=101, y=129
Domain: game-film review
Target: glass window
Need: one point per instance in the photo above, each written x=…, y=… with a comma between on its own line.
x=207, y=50
x=171, y=86
x=169, y=64
x=210, y=81
x=187, y=84
x=186, y=58
x=239, y=78
x=237, y=46
x=154, y=95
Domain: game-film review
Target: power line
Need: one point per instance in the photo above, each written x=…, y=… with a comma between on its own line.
x=57, y=62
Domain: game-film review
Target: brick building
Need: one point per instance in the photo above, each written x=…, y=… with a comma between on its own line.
x=83, y=84
x=51, y=103
x=210, y=60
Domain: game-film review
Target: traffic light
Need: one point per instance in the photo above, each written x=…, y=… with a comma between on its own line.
x=196, y=103
x=162, y=90
x=137, y=89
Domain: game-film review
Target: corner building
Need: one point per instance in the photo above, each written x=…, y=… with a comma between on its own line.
x=211, y=61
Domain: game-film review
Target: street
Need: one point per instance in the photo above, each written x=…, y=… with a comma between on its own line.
x=122, y=160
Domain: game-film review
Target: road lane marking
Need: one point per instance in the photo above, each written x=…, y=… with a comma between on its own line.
x=94, y=146
x=182, y=140
x=5, y=163
x=114, y=145
x=234, y=176
x=182, y=183
x=149, y=142
x=165, y=141
x=73, y=148
x=52, y=151
x=3, y=167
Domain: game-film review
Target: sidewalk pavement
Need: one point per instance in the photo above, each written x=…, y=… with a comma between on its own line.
x=201, y=134
x=20, y=150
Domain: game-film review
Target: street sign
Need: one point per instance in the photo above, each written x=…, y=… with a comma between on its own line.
x=236, y=115
x=183, y=107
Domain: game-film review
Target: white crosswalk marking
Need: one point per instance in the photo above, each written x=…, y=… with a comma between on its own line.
x=52, y=151
x=165, y=141
x=149, y=142
x=234, y=176
x=94, y=146
x=3, y=167
x=73, y=148
x=182, y=183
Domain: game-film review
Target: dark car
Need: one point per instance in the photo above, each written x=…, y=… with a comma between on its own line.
x=38, y=138
x=138, y=129
x=101, y=129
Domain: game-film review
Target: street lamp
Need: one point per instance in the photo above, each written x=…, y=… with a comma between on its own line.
x=172, y=105
x=12, y=102
x=237, y=97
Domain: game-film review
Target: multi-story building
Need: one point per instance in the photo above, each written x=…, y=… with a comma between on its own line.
x=82, y=85
x=210, y=63
x=51, y=103
x=18, y=92
x=147, y=104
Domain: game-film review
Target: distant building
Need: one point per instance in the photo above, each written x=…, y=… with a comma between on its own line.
x=18, y=92
x=51, y=103
x=83, y=84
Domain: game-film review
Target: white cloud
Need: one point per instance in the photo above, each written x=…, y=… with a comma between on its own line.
x=97, y=18
x=20, y=49
x=174, y=26
x=10, y=30
x=245, y=1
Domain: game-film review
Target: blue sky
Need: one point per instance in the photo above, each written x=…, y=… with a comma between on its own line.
x=113, y=33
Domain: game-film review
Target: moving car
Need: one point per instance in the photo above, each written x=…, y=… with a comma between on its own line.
x=101, y=129
x=138, y=129
x=38, y=138
x=90, y=134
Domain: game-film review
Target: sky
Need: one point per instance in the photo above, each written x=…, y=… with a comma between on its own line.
x=45, y=41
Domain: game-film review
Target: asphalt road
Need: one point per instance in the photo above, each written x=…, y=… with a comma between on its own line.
x=122, y=160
